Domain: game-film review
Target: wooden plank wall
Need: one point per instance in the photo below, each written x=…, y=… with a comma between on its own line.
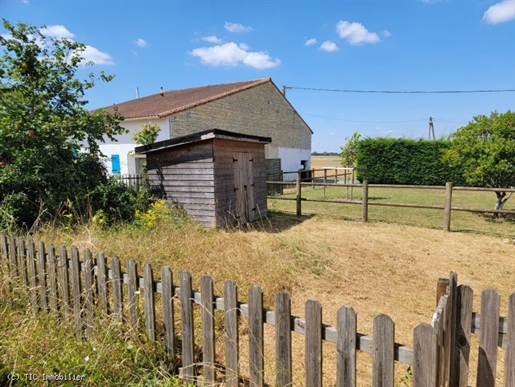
x=224, y=151
x=185, y=175
x=199, y=177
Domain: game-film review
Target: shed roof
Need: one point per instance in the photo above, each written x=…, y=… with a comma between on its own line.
x=201, y=136
x=173, y=101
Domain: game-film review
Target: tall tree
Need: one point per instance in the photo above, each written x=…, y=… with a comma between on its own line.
x=485, y=151
x=49, y=141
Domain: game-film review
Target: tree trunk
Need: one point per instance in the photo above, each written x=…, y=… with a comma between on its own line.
x=501, y=201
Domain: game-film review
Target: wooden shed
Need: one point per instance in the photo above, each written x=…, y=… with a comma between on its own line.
x=217, y=177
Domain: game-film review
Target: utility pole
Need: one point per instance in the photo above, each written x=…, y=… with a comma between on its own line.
x=284, y=90
x=431, y=133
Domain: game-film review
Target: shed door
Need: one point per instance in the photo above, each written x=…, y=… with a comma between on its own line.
x=244, y=187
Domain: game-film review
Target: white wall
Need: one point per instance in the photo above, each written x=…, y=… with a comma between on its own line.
x=291, y=160
x=125, y=145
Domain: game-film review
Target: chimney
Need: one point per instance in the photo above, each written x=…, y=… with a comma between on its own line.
x=162, y=93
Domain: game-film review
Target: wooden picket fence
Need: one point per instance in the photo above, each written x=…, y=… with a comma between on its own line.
x=440, y=354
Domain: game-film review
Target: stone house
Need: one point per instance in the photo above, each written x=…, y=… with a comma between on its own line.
x=255, y=107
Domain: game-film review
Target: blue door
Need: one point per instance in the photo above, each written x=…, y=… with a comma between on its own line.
x=115, y=164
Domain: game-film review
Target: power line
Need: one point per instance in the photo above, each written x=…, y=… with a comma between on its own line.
x=369, y=122
x=401, y=91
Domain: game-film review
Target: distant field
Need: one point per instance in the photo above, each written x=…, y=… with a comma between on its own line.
x=318, y=162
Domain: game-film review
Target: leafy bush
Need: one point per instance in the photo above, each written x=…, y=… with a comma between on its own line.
x=43, y=124
x=114, y=202
x=405, y=161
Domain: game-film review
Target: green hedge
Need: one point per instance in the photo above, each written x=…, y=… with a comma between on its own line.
x=405, y=161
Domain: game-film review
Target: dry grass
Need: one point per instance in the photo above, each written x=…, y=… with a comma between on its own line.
x=375, y=268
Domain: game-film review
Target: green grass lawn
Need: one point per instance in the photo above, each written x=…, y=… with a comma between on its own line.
x=427, y=218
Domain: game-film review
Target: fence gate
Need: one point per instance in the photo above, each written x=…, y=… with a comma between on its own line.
x=244, y=187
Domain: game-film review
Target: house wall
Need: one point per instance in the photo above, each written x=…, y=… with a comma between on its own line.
x=124, y=147
x=261, y=111
x=291, y=161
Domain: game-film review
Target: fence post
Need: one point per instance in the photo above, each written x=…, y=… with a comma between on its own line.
x=448, y=204
x=283, y=349
x=42, y=274
x=132, y=290
x=313, y=346
x=488, y=337
x=364, y=214
x=462, y=336
x=383, y=358
x=352, y=182
x=3, y=252
x=325, y=179
x=150, y=311
x=77, y=291
x=346, y=322
x=509, y=354
x=256, y=337
x=167, y=307
x=299, y=194
x=12, y=258
x=188, y=332
x=425, y=356
x=208, y=329
x=89, y=289
x=231, y=333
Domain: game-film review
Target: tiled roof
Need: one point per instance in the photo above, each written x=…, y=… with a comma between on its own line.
x=173, y=101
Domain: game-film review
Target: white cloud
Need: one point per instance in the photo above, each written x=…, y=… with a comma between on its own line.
x=212, y=39
x=91, y=54
x=329, y=46
x=500, y=12
x=311, y=42
x=387, y=33
x=236, y=27
x=141, y=42
x=355, y=33
x=57, y=31
x=232, y=54
x=25, y=1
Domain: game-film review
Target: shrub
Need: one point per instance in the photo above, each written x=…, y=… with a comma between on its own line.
x=405, y=161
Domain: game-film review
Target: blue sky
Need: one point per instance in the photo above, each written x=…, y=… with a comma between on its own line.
x=408, y=45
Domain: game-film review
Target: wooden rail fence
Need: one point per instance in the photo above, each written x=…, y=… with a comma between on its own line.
x=62, y=283
x=446, y=207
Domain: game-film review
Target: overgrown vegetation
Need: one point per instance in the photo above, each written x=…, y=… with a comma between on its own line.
x=367, y=266
x=50, y=162
x=110, y=354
